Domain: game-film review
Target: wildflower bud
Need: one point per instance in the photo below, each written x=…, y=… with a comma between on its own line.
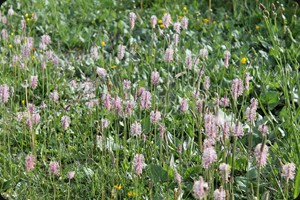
x=155, y=116
x=54, y=168
x=117, y=104
x=261, y=153
x=209, y=157
x=210, y=125
x=46, y=39
x=263, y=129
x=161, y=130
x=188, y=61
x=184, y=106
x=4, y=93
x=200, y=188
x=65, y=122
x=138, y=164
x=126, y=84
x=237, y=88
x=247, y=79
x=145, y=102
x=71, y=175
x=132, y=18
x=101, y=72
x=94, y=52
x=288, y=171
x=129, y=107
x=177, y=27
x=155, y=78
x=199, y=105
x=176, y=39
x=54, y=96
x=153, y=21
x=10, y=11
x=220, y=194
x=206, y=83
x=136, y=129
x=33, y=82
x=204, y=53
x=29, y=162
x=166, y=20
x=226, y=58
x=184, y=23
x=224, y=171
x=121, y=51
x=36, y=118
x=169, y=54
x=237, y=129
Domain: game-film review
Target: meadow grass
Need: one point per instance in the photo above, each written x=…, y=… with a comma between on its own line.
x=149, y=100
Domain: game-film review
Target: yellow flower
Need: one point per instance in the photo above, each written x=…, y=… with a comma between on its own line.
x=118, y=187
x=179, y=18
x=243, y=60
x=10, y=46
x=23, y=101
x=27, y=19
x=184, y=8
x=12, y=34
x=131, y=194
x=114, y=66
x=26, y=15
x=257, y=27
x=32, y=57
x=160, y=21
x=205, y=20
x=41, y=51
x=103, y=43
x=161, y=26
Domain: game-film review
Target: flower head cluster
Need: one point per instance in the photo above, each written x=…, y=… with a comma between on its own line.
x=166, y=20
x=237, y=88
x=132, y=17
x=29, y=162
x=209, y=157
x=54, y=168
x=65, y=122
x=200, y=188
x=136, y=129
x=261, y=153
x=138, y=164
x=4, y=93
x=155, y=116
x=288, y=171
x=251, y=110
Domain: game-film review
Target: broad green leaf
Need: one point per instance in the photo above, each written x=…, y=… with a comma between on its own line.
x=157, y=173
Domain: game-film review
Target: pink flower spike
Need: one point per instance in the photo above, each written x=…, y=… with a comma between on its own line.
x=166, y=20
x=261, y=154
x=138, y=164
x=220, y=194
x=136, y=129
x=288, y=171
x=200, y=188
x=33, y=82
x=65, y=122
x=153, y=21
x=209, y=157
x=54, y=168
x=71, y=175
x=132, y=18
x=29, y=162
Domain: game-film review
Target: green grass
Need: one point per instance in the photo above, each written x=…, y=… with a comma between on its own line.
x=262, y=42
